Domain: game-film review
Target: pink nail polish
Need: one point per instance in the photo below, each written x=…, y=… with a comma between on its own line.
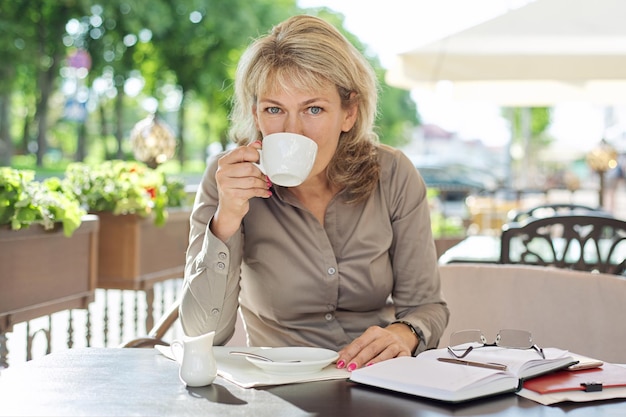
x=341, y=365
x=352, y=367
x=370, y=364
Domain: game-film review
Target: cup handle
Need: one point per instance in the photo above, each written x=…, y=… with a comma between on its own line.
x=178, y=350
x=260, y=164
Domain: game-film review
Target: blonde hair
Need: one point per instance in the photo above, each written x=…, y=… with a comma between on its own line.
x=308, y=53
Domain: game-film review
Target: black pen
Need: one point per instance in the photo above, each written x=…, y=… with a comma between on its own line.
x=497, y=366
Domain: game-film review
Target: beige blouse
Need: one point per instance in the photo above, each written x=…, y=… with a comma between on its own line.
x=300, y=283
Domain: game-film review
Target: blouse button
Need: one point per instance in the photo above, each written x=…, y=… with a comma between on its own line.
x=221, y=255
x=331, y=271
x=215, y=311
x=328, y=317
x=221, y=265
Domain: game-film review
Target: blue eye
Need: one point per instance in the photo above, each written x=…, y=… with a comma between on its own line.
x=315, y=110
x=273, y=110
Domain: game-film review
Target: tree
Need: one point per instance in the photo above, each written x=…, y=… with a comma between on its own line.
x=17, y=50
x=203, y=47
x=48, y=21
x=189, y=46
x=118, y=36
x=528, y=136
x=398, y=113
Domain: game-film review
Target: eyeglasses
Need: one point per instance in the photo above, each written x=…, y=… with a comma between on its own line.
x=506, y=338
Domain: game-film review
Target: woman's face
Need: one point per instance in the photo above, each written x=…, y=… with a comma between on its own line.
x=316, y=114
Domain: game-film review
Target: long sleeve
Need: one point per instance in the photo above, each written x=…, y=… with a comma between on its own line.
x=299, y=282
x=417, y=292
x=211, y=285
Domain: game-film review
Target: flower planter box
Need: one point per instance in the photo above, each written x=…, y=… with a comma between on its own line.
x=43, y=271
x=134, y=253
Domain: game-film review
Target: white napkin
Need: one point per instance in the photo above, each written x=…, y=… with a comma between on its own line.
x=166, y=351
x=238, y=370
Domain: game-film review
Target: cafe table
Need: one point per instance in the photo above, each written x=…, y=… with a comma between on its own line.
x=142, y=382
x=473, y=249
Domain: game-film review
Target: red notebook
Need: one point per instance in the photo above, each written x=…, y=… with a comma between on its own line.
x=596, y=379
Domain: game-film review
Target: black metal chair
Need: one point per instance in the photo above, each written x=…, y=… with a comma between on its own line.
x=549, y=210
x=591, y=242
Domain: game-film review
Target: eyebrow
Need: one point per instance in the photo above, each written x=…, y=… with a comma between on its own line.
x=304, y=103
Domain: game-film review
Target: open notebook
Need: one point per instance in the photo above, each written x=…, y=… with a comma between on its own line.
x=426, y=376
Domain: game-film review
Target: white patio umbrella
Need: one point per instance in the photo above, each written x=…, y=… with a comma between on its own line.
x=543, y=53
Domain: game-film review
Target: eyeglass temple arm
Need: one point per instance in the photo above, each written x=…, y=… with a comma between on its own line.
x=539, y=351
x=467, y=351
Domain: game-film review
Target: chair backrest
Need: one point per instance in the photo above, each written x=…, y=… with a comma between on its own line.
x=582, y=242
x=549, y=210
x=168, y=320
x=156, y=334
x=578, y=311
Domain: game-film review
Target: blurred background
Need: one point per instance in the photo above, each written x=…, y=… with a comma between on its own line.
x=79, y=78
x=502, y=105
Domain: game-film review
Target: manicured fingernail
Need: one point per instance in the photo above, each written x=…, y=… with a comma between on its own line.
x=352, y=367
x=370, y=364
x=341, y=365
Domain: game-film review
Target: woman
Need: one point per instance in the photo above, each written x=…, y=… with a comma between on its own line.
x=345, y=260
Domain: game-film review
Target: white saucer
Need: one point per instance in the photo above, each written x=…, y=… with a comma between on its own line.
x=311, y=360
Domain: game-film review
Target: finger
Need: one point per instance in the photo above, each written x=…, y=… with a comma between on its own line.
x=374, y=345
x=390, y=352
x=237, y=183
x=242, y=183
x=236, y=166
x=360, y=350
x=249, y=153
x=239, y=155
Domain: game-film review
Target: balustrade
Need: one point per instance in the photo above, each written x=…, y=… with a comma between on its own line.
x=115, y=316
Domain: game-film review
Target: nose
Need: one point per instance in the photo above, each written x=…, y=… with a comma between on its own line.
x=293, y=124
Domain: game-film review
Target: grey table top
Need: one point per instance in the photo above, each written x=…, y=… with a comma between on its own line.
x=124, y=382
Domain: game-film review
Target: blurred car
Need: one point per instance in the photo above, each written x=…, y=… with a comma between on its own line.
x=454, y=183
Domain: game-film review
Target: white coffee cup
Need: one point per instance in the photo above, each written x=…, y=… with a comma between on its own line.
x=287, y=158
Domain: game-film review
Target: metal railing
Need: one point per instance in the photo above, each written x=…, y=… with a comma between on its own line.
x=114, y=317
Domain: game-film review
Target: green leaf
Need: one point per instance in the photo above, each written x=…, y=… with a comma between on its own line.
x=25, y=202
x=124, y=187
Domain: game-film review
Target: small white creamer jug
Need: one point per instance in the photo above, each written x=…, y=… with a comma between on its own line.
x=198, y=367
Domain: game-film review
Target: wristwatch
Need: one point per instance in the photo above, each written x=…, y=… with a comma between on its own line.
x=413, y=330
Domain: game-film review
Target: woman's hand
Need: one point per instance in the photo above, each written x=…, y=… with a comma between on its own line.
x=377, y=344
x=238, y=180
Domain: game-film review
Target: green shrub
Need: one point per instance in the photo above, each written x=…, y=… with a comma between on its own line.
x=124, y=187
x=24, y=202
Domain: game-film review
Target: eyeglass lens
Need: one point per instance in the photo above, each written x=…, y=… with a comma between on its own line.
x=510, y=338
x=467, y=336
x=506, y=338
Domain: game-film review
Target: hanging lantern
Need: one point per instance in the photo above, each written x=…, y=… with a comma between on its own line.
x=153, y=141
x=601, y=159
